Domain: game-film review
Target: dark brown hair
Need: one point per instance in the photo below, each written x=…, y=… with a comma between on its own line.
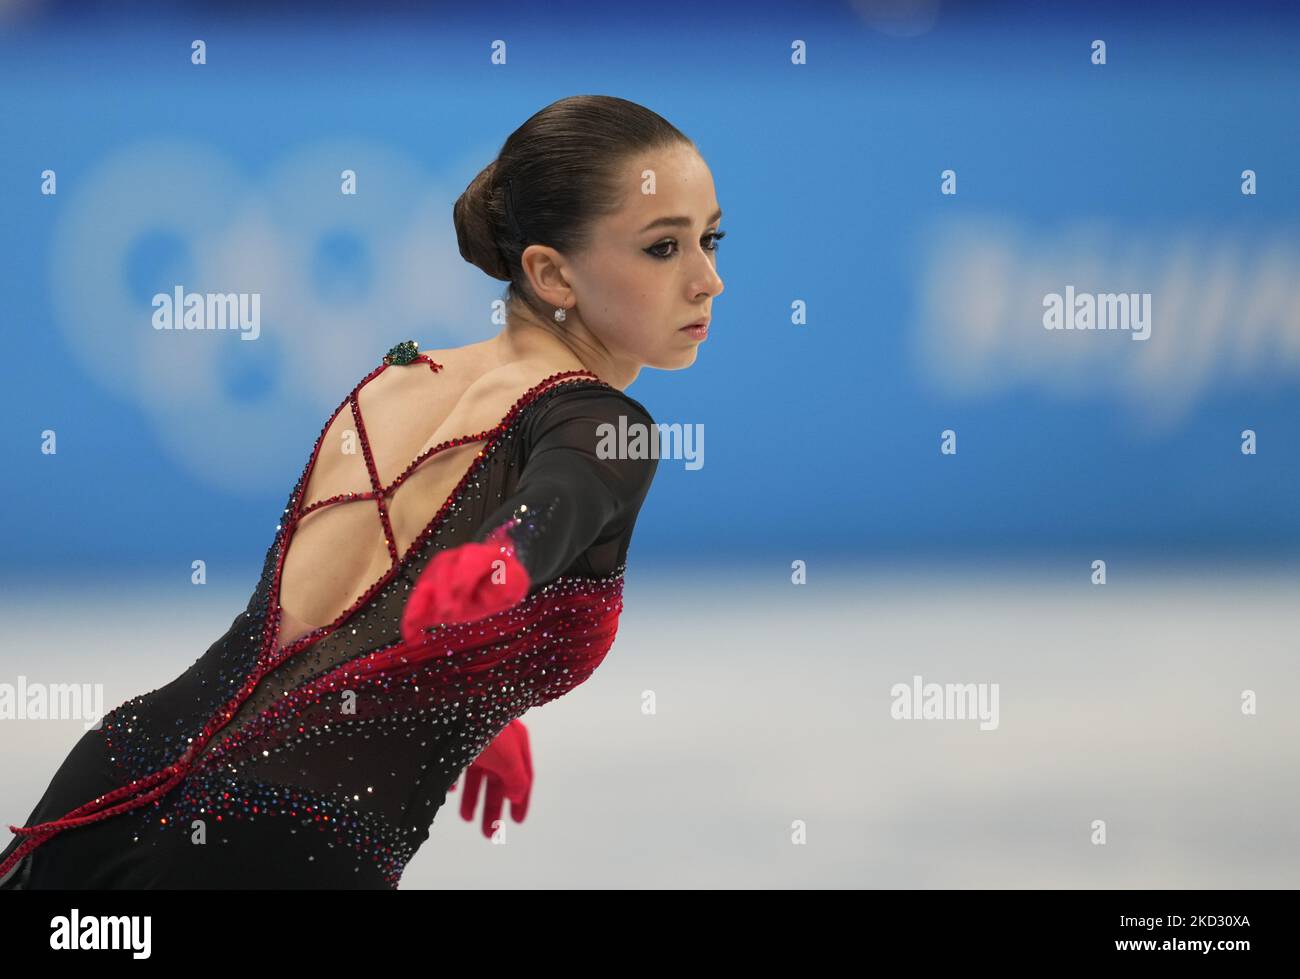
x=554, y=175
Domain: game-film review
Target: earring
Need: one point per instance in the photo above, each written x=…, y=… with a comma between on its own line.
x=560, y=314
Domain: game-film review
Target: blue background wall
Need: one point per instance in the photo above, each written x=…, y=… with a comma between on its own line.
x=224, y=177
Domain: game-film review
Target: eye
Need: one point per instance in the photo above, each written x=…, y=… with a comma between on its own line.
x=713, y=237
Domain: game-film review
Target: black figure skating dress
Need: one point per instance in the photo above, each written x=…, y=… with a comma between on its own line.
x=319, y=760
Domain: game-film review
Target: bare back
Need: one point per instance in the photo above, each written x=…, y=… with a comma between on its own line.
x=338, y=551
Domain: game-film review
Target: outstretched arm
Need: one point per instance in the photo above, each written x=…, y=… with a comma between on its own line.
x=575, y=486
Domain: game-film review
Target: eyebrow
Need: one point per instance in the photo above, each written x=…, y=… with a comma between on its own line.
x=678, y=222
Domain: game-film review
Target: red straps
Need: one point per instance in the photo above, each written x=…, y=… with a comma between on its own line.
x=85, y=814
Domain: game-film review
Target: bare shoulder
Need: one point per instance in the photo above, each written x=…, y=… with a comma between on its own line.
x=484, y=390
x=508, y=382
x=456, y=359
x=473, y=363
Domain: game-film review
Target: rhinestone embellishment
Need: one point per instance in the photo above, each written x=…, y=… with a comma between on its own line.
x=403, y=353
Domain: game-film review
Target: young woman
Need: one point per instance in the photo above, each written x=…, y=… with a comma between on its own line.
x=451, y=556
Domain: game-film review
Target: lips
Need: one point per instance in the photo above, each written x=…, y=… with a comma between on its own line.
x=703, y=322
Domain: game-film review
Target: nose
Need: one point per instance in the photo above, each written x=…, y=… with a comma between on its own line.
x=710, y=283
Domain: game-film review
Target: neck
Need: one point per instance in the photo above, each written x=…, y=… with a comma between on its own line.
x=527, y=336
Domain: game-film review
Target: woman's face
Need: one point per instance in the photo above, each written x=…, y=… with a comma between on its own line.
x=651, y=268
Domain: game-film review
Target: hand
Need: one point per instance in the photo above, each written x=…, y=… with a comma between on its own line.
x=464, y=584
x=507, y=766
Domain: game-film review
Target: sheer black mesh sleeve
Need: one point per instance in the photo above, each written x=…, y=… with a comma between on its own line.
x=591, y=456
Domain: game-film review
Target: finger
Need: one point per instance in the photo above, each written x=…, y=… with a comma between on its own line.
x=473, y=778
x=492, y=803
x=520, y=809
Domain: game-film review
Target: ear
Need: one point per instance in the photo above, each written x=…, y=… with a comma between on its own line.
x=544, y=267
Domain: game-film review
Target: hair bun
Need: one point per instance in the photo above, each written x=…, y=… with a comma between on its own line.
x=477, y=215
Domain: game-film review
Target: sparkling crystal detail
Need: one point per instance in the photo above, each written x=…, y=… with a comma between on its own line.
x=402, y=353
x=346, y=740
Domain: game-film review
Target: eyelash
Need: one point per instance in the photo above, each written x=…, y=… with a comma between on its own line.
x=717, y=236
